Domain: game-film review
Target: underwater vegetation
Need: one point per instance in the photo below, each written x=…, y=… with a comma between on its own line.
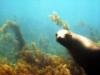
x=57, y=19
x=40, y=64
x=11, y=40
x=18, y=58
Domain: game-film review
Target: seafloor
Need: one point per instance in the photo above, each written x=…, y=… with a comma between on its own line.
x=25, y=60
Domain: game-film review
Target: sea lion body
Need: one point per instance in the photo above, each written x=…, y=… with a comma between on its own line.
x=83, y=50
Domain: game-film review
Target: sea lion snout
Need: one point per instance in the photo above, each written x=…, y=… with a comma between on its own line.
x=58, y=37
x=61, y=33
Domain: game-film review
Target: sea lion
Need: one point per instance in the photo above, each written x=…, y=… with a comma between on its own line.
x=83, y=50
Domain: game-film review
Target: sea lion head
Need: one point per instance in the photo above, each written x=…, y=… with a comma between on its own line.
x=64, y=37
x=72, y=40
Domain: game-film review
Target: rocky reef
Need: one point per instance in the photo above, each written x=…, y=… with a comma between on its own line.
x=40, y=64
x=18, y=58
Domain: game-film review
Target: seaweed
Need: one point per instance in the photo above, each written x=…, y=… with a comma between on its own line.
x=56, y=18
x=6, y=70
x=53, y=65
x=17, y=32
x=32, y=60
x=39, y=63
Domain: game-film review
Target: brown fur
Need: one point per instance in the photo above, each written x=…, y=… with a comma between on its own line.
x=83, y=50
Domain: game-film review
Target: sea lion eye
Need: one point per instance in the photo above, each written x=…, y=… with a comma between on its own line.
x=68, y=35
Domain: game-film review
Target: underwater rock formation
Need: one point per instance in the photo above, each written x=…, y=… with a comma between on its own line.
x=35, y=62
x=32, y=61
x=15, y=28
x=49, y=65
x=11, y=41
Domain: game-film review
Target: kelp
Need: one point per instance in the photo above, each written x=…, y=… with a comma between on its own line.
x=38, y=63
x=32, y=60
x=51, y=65
x=11, y=25
x=57, y=19
x=11, y=40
